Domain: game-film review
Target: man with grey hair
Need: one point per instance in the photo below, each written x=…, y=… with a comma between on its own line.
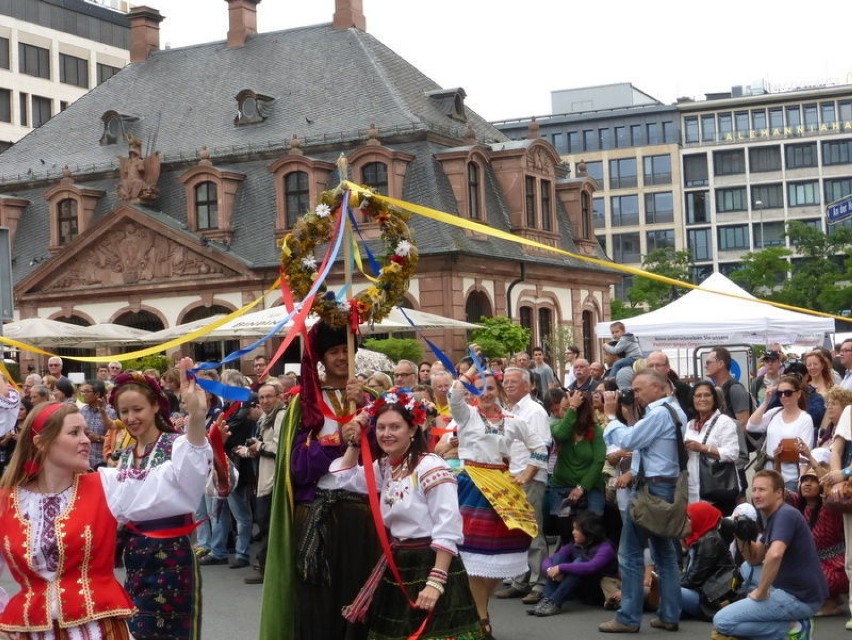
x=517, y=385
x=659, y=361
x=115, y=368
x=405, y=374
x=30, y=381
x=582, y=376
x=54, y=367
x=39, y=394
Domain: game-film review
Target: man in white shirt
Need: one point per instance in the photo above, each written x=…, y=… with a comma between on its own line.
x=517, y=384
x=10, y=401
x=845, y=353
x=572, y=352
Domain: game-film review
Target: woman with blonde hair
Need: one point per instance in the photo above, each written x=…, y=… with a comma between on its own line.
x=819, y=372
x=60, y=522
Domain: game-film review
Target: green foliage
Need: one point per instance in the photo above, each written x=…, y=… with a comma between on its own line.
x=500, y=337
x=619, y=310
x=156, y=361
x=556, y=344
x=665, y=262
x=819, y=279
x=397, y=348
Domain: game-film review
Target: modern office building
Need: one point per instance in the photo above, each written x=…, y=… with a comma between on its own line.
x=720, y=176
x=51, y=53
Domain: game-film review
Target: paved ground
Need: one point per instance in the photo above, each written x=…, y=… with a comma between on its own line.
x=232, y=610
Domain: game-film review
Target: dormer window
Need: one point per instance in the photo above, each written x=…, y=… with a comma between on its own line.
x=71, y=210
x=375, y=176
x=252, y=107
x=68, y=221
x=116, y=126
x=207, y=205
x=450, y=102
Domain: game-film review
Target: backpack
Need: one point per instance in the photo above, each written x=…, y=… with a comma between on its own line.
x=753, y=441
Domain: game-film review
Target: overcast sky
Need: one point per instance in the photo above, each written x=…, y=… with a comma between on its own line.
x=509, y=55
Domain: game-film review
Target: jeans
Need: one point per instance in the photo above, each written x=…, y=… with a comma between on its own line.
x=690, y=604
x=631, y=561
x=765, y=620
x=236, y=504
x=620, y=364
x=560, y=591
x=204, y=531
x=594, y=500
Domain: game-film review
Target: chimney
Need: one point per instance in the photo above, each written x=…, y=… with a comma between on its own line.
x=144, y=32
x=349, y=13
x=242, y=21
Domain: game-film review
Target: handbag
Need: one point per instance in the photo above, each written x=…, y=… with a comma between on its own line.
x=720, y=589
x=717, y=480
x=654, y=514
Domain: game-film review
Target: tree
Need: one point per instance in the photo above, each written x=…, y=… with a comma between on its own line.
x=762, y=271
x=155, y=361
x=500, y=337
x=397, y=348
x=619, y=310
x=556, y=344
x=665, y=262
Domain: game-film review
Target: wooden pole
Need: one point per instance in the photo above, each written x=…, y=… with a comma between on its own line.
x=347, y=270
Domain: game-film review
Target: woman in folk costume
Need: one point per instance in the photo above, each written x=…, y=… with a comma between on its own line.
x=322, y=546
x=498, y=520
x=422, y=590
x=59, y=522
x=162, y=571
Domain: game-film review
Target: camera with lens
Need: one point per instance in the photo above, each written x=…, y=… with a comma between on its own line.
x=745, y=529
x=626, y=396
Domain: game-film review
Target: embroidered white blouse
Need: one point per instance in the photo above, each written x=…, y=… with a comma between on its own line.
x=172, y=488
x=423, y=504
x=482, y=441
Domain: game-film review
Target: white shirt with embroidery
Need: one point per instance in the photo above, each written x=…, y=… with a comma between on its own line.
x=423, y=504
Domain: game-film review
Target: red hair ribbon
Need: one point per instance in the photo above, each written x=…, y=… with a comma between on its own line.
x=44, y=415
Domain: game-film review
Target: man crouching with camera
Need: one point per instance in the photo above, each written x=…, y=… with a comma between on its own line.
x=792, y=587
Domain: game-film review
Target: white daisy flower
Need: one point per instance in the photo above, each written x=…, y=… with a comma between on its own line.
x=390, y=398
x=403, y=248
x=322, y=210
x=310, y=262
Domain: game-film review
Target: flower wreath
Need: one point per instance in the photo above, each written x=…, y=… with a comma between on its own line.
x=403, y=398
x=299, y=264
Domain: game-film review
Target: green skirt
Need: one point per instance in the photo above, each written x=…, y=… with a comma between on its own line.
x=391, y=617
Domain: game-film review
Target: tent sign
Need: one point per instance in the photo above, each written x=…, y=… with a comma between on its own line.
x=839, y=210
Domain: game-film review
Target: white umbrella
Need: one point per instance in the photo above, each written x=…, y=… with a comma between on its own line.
x=180, y=330
x=42, y=332
x=111, y=333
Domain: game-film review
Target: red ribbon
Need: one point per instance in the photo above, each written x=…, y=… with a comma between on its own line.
x=381, y=531
x=161, y=534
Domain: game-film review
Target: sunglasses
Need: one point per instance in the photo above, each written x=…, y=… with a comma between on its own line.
x=786, y=392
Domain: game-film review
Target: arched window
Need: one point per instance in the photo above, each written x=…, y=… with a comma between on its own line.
x=375, y=175
x=526, y=320
x=545, y=325
x=588, y=335
x=477, y=307
x=473, y=205
x=207, y=205
x=140, y=320
x=529, y=199
x=68, y=221
x=297, y=196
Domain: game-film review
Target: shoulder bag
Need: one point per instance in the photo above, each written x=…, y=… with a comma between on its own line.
x=658, y=516
x=717, y=480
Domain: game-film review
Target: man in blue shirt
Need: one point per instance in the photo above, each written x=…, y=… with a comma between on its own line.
x=653, y=441
x=792, y=586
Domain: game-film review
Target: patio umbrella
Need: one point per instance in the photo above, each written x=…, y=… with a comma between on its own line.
x=109, y=333
x=41, y=332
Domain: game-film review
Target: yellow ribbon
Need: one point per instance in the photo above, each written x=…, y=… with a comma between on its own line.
x=478, y=227
x=141, y=353
x=356, y=253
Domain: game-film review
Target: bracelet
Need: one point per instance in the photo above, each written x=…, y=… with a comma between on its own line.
x=438, y=575
x=437, y=586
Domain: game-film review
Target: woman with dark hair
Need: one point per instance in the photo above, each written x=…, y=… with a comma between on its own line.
x=59, y=521
x=499, y=522
x=577, y=481
x=789, y=423
x=161, y=569
x=827, y=528
x=577, y=568
x=419, y=505
x=713, y=434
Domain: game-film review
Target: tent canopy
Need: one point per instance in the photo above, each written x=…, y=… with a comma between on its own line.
x=701, y=318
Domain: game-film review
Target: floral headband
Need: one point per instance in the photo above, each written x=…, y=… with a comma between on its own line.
x=134, y=377
x=403, y=398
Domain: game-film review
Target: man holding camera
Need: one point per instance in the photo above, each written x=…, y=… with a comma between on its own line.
x=654, y=443
x=792, y=587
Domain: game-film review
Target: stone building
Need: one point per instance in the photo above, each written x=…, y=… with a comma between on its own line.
x=183, y=170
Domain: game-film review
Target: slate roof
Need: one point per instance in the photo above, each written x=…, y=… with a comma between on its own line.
x=329, y=87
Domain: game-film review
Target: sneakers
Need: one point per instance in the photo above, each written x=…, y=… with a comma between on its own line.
x=257, y=578
x=239, y=563
x=200, y=552
x=668, y=626
x=533, y=597
x=510, y=592
x=614, y=626
x=210, y=559
x=800, y=629
x=716, y=635
x=546, y=607
x=849, y=625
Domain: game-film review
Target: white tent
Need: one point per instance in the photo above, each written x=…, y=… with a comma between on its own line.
x=701, y=318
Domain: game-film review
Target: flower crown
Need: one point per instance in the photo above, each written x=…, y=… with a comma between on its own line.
x=403, y=398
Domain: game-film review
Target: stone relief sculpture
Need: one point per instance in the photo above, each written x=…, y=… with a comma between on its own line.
x=139, y=176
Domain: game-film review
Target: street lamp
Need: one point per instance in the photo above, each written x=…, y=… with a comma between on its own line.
x=758, y=204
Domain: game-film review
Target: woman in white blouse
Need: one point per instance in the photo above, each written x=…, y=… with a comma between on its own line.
x=419, y=505
x=791, y=423
x=58, y=523
x=713, y=434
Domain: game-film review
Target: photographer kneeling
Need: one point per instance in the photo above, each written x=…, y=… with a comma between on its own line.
x=791, y=587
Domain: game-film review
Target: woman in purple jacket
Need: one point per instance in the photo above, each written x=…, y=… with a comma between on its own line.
x=577, y=567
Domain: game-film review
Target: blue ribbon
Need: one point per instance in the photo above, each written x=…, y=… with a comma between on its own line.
x=227, y=392
x=374, y=264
